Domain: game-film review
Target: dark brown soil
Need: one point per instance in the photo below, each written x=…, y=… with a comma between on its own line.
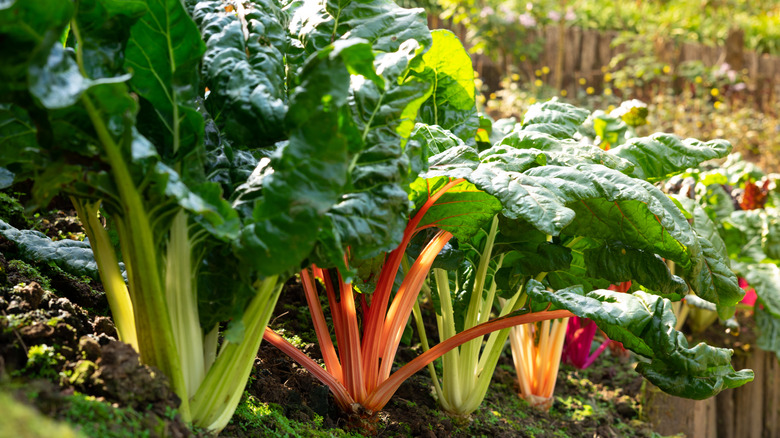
x=79, y=353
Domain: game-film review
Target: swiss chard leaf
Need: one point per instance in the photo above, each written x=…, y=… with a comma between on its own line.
x=644, y=323
x=618, y=263
x=452, y=104
x=244, y=68
x=662, y=155
x=559, y=119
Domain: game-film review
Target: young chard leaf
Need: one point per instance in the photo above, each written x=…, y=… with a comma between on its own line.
x=451, y=106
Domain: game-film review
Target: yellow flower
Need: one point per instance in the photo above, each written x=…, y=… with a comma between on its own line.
x=545, y=69
x=699, y=79
x=531, y=100
x=608, y=92
x=607, y=77
x=667, y=69
x=538, y=72
x=604, y=69
x=699, y=124
x=590, y=90
x=492, y=95
x=611, y=108
x=476, y=74
x=538, y=82
x=582, y=81
x=714, y=92
x=717, y=104
x=564, y=93
x=515, y=77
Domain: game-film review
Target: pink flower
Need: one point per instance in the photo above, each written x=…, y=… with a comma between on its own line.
x=750, y=293
x=527, y=20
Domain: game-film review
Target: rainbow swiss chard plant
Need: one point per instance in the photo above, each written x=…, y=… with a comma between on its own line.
x=570, y=215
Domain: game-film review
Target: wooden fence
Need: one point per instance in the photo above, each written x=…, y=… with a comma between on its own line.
x=750, y=411
x=587, y=51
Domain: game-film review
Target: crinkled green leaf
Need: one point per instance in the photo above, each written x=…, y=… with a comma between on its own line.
x=306, y=176
x=577, y=273
x=619, y=263
x=244, y=68
x=452, y=104
x=563, y=152
x=742, y=235
x=522, y=262
x=437, y=140
x=559, y=119
x=661, y=155
x=703, y=225
x=644, y=323
x=382, y=22
x=712, y=279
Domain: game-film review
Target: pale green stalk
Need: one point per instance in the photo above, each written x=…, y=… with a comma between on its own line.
x=470, y=350
x=210, y=347
x=181, y=295
x=108, y=266
x=219, y=393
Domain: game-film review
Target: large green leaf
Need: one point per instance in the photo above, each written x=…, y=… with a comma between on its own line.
x=559, y=119
x=103, y=22
x=662, y=155
x=305, y=177
x=371, y=215
x=452, y=104
x=383, y=23
x=563, y=152
x=163, y=53
x=244, y=67
x=644, y=323
x=577, y=273
x=17, y=136
x=619, y=263
x=703, y=225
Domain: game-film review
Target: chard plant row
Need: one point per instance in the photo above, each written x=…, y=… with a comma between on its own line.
x=230, y=145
